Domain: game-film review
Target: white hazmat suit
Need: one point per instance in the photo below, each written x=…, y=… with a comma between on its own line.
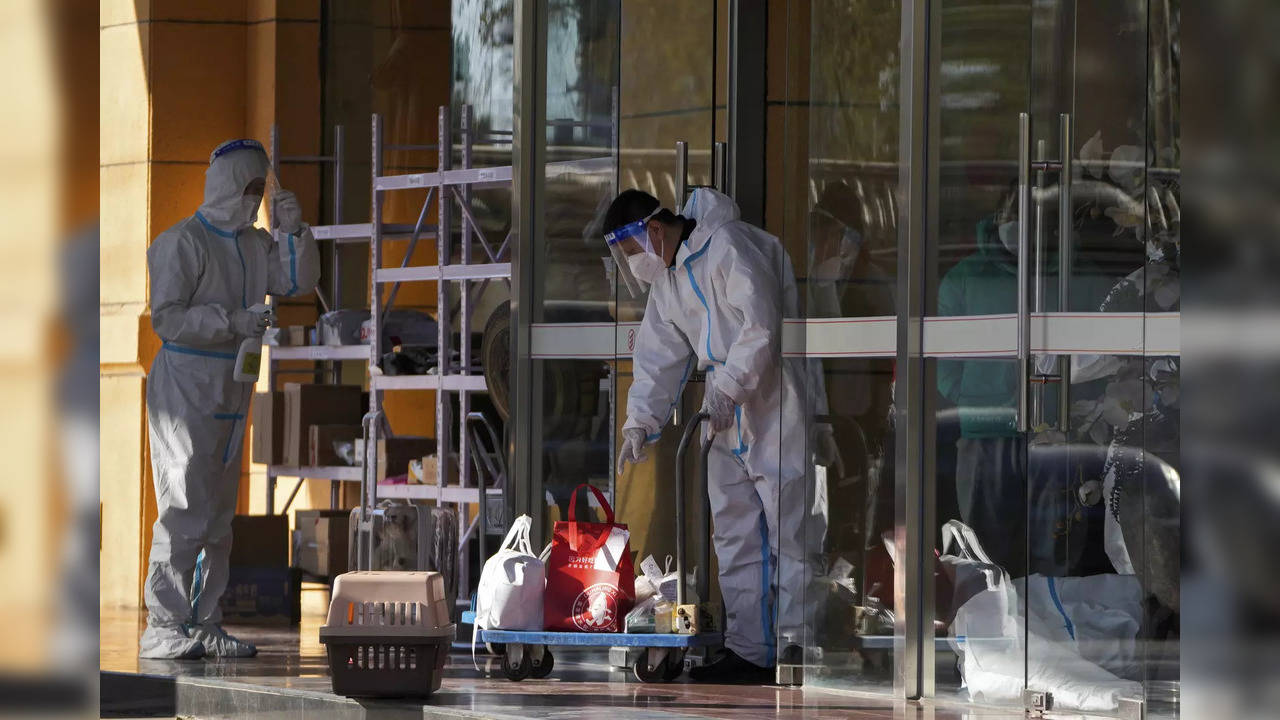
x=205, y=272
x=721, y=307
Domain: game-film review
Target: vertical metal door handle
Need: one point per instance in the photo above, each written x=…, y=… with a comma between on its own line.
x=720, y=169
x=682, y=192
x=682, y=173
x=1066, y=144
x=1024, y=267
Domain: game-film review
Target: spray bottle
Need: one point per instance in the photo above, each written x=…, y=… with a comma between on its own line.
x=249, y=356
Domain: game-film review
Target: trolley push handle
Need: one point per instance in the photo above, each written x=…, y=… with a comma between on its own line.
x=690, y=430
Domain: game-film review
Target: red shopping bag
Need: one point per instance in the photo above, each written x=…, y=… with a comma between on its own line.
x=590, y=579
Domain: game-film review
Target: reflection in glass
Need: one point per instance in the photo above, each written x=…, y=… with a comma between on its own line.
x=839, y=219
x=572, y=283
x=1061, y=513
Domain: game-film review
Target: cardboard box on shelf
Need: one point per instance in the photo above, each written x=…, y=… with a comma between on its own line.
x=320, y=541
x=321, y=439
x=424, y=471
x=306, y=405
x=267, y=415
x=394, y=454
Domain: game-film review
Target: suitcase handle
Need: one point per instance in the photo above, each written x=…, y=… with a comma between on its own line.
x=690, y=430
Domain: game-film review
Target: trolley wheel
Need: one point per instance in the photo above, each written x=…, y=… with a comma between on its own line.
x=514, y=671
x=543, y=669
x=661, y=673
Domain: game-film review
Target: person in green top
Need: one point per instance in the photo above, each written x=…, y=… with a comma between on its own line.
x=991, y=467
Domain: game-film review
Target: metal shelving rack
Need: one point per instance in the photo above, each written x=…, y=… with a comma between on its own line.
x=449, y=188
x=338, y=234
x=331, y=356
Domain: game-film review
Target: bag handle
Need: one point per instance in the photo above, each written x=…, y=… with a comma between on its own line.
x=573, y=503
x=518, y=536
x=965, y=539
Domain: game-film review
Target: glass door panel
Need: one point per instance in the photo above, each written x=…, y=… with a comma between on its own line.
x=981, y=87
x=581, y=59
x=615, y=107
x=839, y=120
x=670, y=95
x=1053, y=274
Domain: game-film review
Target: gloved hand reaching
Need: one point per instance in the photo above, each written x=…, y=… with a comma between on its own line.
x=253, y=321
x=287, y=213
x=632, y=450
x=720, y=407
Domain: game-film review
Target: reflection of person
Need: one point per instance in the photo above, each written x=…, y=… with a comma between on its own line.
x=206, y=272
x=991, y=469
x=845, y=282
x=719, y=291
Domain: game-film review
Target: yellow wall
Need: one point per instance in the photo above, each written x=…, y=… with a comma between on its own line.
x=177, y=78
x=44, y=198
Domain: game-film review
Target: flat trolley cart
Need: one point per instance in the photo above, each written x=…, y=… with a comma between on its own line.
x=527, y=653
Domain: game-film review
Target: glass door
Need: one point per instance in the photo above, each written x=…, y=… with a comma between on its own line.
x=629, y=94
x=839, y=191
x=1049, y=349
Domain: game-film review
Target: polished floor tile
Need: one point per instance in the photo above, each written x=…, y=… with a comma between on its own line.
x=290, y=678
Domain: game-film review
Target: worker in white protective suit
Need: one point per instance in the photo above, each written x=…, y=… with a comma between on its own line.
x=718, y=291
x=209, y=276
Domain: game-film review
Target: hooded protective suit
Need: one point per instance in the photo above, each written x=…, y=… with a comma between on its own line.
x=203, y=270
x=720, y=308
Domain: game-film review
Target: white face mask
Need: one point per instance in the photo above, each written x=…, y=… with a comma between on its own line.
x=646, y=266
x=1009, y=236
x=838, y=266
x=249, y=205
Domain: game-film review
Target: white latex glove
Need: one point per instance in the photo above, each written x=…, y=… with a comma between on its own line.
x=252, y=322
x=286, y=213
x=632, y=450
x=720, y=407
x=826, y=451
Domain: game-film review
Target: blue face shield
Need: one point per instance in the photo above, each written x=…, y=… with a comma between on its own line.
x=619, y=248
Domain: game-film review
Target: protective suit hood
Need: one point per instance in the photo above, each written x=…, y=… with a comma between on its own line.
x=711, y=210
x=229, y=173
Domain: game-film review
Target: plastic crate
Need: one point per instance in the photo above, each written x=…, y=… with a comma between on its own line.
x=388, y=634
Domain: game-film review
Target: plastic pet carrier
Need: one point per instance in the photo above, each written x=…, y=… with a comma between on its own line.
x=410, y=537
x=388, y=634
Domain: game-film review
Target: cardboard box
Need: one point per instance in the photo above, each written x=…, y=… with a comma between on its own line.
x=260, y=541
x=267, y=417
x=394, y=454
x=306, y=405
x=320, y=442
x=320, y=542
x=269, y=596
x=425, y=471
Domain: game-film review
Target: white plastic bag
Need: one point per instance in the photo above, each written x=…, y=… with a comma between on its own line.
x=641, y=617
x=992, y=638
x=509, y=596
x=651, y=582
x=1097, y=615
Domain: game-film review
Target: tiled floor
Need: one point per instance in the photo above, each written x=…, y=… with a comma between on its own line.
x=289, y=678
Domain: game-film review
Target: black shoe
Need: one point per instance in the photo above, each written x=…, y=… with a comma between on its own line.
x=730, y=669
